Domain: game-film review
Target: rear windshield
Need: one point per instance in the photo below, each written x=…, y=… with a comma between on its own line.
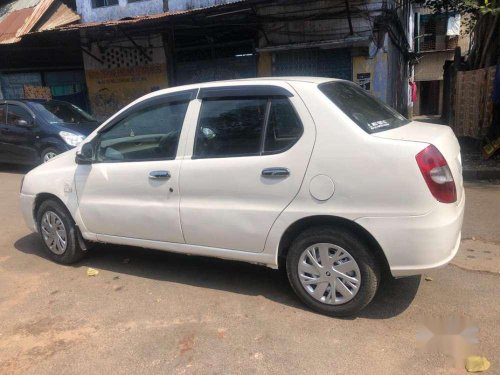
x=369, y=113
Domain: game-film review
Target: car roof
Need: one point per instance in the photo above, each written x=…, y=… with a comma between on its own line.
x=260, y=80
x=246, y=81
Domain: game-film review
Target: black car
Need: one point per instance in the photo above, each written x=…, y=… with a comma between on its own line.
x=34, y=131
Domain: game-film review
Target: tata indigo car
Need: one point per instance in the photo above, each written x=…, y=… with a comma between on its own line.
x=312, y=174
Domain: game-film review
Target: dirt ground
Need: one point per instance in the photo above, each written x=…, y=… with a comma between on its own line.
x=154, y=312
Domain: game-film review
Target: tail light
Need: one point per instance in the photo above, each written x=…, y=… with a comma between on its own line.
x=437, y=174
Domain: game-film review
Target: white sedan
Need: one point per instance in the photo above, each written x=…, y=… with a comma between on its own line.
x=311, y=174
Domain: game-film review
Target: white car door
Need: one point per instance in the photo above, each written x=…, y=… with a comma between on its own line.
x=132, y=187
x=250, y=151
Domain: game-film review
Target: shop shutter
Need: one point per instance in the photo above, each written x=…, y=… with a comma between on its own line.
x=216, y=69
x=334, y=63
x=13, y=84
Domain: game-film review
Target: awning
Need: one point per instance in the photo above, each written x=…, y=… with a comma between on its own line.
x=146, y=20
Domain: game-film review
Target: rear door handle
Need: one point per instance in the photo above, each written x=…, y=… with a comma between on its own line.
x=158, y=175
x=275, y=172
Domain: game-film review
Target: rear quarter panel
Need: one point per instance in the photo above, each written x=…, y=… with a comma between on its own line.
x=372, y=176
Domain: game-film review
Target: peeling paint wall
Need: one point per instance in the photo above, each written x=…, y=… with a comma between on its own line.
x=123, y=9
x=376, y=65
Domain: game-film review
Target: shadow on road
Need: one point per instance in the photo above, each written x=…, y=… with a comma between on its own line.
x=393, y=298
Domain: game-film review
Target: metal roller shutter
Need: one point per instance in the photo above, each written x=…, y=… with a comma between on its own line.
x=335, y=63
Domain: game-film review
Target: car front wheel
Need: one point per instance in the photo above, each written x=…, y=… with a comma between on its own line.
x=332, y=271
x=59, y=233
x=48, y=154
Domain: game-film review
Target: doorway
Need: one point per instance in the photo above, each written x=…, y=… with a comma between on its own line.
x=429, y=97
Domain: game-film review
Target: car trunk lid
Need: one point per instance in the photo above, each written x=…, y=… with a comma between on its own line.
x=441, y=136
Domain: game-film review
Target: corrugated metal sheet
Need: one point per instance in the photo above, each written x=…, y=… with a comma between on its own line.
x=12, y=6
x=335, y=63
x=59, y=15
x=12, y=22
x=146, y=19
x=47, y=14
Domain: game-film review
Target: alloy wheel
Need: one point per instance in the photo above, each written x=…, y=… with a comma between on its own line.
x=48, y=155
x=329, y=273
x=54, y=232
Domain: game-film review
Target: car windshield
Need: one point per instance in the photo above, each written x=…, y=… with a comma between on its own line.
x=57, y=112
x=369, y=113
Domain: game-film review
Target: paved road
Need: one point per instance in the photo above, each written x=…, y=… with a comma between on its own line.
x=153, y=312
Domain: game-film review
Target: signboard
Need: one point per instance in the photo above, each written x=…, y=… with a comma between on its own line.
x=364, y=80
x=37, y=92
x=112, y=89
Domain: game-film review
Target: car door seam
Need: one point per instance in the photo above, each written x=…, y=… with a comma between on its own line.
x=305, y=171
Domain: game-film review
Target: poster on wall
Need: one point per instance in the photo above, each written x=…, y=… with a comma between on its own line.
x=112, y=89
x=37, y=92
x=364, y=80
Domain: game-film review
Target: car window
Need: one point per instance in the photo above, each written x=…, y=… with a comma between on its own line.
x=230, y=127
x=369, y=113
x=283, y=128
x=2, y=113
x=16, y=113
x=58, y=112
x=148, y=134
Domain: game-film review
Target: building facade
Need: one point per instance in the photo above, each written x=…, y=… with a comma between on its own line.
x=129, y=48
x=30, y=57
x=436, y=37
x=105, y=10
x=368, y=42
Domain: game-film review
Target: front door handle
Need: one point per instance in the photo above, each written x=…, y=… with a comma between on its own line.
x=276, y=172
x=158, y=175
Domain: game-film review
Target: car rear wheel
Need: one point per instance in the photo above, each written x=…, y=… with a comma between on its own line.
x=59, y=233
x=48, y=154
x=332, y=271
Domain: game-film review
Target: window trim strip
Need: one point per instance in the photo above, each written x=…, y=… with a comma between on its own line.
x=180, y=96
x=243, y=91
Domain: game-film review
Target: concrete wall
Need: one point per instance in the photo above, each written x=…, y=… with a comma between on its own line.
x=430, y=65
x=375, y=67
x=114, y=12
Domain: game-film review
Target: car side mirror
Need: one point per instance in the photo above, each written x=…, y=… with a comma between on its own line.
x=85, y=155
x=23, y=123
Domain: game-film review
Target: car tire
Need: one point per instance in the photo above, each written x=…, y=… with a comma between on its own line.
x=48, y=154
x=340, y=247
x=59, y=233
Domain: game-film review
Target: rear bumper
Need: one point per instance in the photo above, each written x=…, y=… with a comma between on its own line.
x=27, y=206
x=416, y=244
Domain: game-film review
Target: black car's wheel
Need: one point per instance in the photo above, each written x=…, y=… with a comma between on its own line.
x=49, y=153
x=59, y=233
x=332, y=271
